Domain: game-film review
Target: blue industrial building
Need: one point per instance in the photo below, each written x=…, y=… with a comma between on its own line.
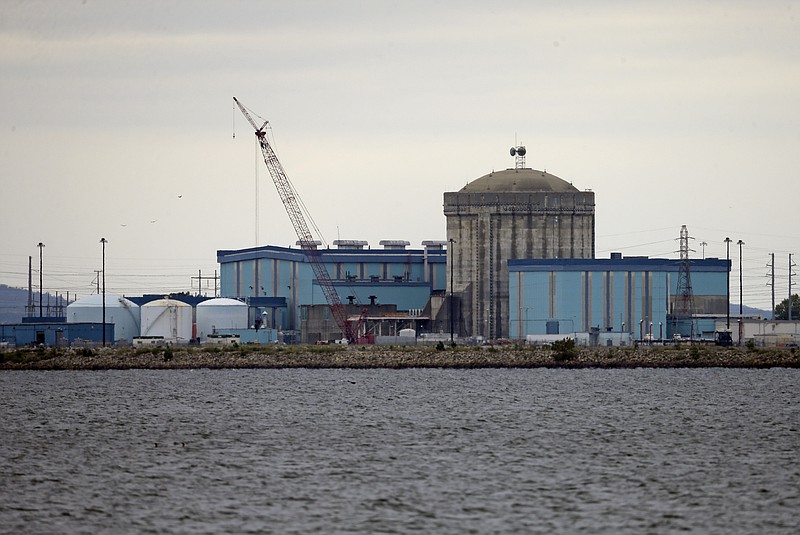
x=555, y=296
x=394, y=281
x=625, y=295
x=54, y=334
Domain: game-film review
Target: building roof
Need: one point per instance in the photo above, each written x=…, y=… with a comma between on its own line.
x=519, y=180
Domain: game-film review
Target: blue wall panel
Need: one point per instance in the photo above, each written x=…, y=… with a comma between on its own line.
x=635, y=295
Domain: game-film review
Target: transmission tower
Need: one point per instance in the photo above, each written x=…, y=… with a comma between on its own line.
x=683, y=309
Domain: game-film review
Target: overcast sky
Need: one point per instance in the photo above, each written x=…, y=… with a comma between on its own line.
x=117, y=121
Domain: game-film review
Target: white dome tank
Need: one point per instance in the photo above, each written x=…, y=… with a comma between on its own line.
x=123, y=313
x=220, y=313
x=168, y=318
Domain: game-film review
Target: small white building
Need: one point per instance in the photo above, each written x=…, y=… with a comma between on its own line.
x=769, y=333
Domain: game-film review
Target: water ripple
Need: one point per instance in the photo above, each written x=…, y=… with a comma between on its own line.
x=400, y=451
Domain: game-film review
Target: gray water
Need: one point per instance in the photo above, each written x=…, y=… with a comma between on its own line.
x=412, y=451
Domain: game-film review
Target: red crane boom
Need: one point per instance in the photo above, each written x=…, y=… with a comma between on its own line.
x=290, y=201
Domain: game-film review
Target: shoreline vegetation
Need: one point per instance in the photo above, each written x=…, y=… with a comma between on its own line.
x=559, y=355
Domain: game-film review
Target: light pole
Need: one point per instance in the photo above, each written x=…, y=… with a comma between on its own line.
x=450, y=254
x=728, y=283
x=104, y=241
x=40, y=246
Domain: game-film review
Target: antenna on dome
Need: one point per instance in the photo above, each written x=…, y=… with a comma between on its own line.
x=519, y=153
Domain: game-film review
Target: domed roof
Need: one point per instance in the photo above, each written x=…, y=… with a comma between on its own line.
x=519, y=180
x=222, y=302
x=96, y=300
x=166, y=302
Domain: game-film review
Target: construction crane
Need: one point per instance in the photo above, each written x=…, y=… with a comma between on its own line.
x=290, y=201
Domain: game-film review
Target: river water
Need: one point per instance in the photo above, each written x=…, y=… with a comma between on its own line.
x=400, y=451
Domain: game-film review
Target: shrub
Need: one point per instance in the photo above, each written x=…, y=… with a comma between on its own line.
x=168, y=354
x=440, y=346
x=564, y=350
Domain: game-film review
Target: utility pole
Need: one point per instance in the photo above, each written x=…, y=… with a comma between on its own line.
x=200, y=278
x=30, y=286
x=104, y=241
x=741, y=300
x=789, y=304
x=728, y=283
x=740, y=243
x=97, y=273
x=40, y=246
x=772, y=264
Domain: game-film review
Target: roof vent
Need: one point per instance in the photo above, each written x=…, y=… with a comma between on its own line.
x=395, y=244
x=434, y=244
x=317, y=243
x=350, y=244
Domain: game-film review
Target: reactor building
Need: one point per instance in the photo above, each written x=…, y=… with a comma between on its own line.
x=511, y=214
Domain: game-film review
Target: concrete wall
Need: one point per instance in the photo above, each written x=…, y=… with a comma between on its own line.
x=491, y=228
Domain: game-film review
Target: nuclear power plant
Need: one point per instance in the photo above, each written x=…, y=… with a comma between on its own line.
x=517, y=263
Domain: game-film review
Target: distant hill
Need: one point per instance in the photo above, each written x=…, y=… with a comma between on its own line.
x=14, y=300
x=750, y=311
x=12, y=304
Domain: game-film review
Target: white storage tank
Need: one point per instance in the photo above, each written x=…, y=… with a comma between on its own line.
x=169, y=318
x=407, y=333
x=220, y=313
x=123, y=313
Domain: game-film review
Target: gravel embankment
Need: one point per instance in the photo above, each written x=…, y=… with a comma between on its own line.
x=394, y=357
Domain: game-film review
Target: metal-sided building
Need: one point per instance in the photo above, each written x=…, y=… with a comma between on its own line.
x=628, y=295
x=55, y=334
x=283, y=281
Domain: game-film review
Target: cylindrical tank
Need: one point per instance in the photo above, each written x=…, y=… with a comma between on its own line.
x=123, y=313
x=220, y=313
x=168, y=318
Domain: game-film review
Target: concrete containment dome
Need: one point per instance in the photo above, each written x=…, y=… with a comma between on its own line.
x=519, y=180
x=123, y=313
x=220, y=313
x=168, y=318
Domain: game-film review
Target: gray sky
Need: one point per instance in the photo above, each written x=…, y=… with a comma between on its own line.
x=116, y=121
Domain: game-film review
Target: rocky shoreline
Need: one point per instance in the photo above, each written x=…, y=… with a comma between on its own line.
x=395, y=357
